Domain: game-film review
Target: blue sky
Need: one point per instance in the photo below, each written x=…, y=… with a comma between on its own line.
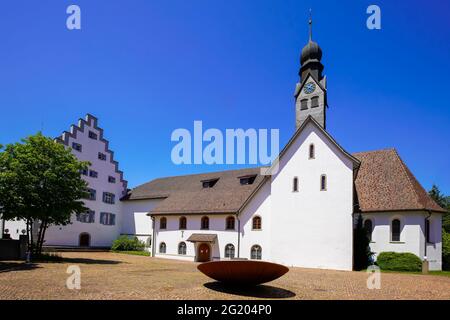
x=145, y=68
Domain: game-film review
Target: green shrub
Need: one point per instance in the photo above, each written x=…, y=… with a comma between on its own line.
x=125, y=243
x=445, y=250
x=399, y=261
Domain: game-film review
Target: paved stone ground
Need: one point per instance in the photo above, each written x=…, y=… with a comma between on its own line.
x=119, y=276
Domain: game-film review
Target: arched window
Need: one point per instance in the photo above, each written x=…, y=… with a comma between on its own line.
x=323, y=182
x=205, y=223
x=230, y=223
x=183, y=223
x=182, y=248
x=295, y=184
x=162, y=247
x=312, y=151
x=255, y=252
x=163, y=223
x=229, y=251
x=368, y=227
x=395, y=230
x=256, y=225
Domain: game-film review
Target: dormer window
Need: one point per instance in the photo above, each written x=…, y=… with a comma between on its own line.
x=209, y=183
x=247, y=180
x=93, y=135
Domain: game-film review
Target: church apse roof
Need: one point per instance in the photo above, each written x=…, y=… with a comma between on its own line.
x=384, y=183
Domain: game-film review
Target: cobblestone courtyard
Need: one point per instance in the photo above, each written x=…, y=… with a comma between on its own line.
x=119, y=276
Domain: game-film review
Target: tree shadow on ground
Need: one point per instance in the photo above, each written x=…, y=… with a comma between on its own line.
x=259, y=291
x=7, y=266
x=89, y=261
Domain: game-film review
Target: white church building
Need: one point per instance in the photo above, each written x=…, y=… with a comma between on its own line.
x=301, y=215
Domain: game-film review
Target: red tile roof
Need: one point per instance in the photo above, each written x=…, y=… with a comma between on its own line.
x=384, y=183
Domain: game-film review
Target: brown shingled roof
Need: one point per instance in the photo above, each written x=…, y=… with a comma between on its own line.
x=384, y=183
x=186, y=195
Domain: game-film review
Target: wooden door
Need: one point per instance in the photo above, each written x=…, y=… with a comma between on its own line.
x=203, y=252
x=85, y=240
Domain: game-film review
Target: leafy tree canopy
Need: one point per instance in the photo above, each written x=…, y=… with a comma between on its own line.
x=40, y=181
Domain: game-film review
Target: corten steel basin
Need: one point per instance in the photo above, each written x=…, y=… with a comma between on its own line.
x=242, y=272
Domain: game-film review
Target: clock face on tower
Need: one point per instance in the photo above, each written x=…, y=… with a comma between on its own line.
x=309, y=88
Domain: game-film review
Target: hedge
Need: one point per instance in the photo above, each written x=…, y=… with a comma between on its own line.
x=125, y=243
x=399, y=261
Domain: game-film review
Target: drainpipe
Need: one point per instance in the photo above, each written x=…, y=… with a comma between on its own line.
x=153, y=236
x=426, y=235
x=239, y=236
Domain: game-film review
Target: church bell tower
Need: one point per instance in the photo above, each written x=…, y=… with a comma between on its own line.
x=311, y=91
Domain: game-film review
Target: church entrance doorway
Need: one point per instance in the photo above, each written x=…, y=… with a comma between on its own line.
x=204, y=253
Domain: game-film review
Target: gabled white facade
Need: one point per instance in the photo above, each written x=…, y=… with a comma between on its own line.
x=308, y=228
x=103, y=176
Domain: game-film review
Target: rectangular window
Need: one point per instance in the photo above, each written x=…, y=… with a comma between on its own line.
x=109, y=198
x=107, y=219
x=111, y=179
x=304, y=104
x=93, y=174
x=427, y=230
x=102, y=156
x=92, y=194
x=86, y=217
x=76, y=146
x=295, y=185
x=92, y=135
x=323, y=182
x=314, y=102
x=84, y=172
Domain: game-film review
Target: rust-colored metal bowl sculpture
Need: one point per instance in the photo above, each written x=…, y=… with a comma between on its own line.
x=242, y=272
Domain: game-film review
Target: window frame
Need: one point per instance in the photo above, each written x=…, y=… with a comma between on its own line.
x=295, y=184
x=313, y=99
x=162, y=245
x=92, y=135
x=92, y=192
x=253, y=223
x=226, y=223
x=89, y=213
x=77, y=146
x=204, y=218
x=109, y=198
x=369, y=232
x=93, y=174
x=110, y=219
x=111, y=179
x=101, y=156
x=304, y=104
x=182, y=248
x=323, y=182
x=311, y=151
x=399, y=230
x=258, y=253
x=230, y=251
x=182, y=223
x=163, y=226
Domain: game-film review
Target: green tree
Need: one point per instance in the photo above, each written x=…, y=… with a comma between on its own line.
x=361, y=249
x=40, y=182
x=443, y=202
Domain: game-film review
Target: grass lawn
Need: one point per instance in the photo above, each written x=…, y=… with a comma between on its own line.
x=136, y=253
x=431, y=273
